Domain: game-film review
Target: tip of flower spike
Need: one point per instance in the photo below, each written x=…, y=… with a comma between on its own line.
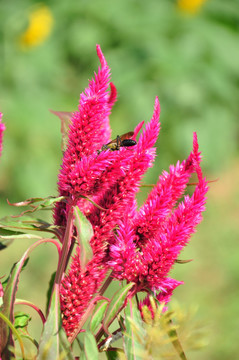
x=137, y=129
x=156, y=114
x=101, y=56
x=149, y=136
x=195, y=143
x=2, y=125
x=196, y=152
x=157, y=106
x=113, y=94
x=195, y=155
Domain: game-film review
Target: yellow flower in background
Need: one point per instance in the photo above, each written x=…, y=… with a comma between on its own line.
x=190, y=6
x=39, y=28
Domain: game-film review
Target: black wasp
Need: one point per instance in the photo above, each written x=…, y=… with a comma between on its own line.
x=120, y=141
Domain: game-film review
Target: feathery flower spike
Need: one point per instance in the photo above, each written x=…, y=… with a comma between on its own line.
x=133, y=165
x=138, y=245
x=148, y=244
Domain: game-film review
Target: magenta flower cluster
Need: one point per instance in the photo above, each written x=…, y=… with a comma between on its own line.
x=139, y=246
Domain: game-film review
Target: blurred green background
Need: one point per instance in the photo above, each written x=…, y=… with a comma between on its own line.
x=186, y=52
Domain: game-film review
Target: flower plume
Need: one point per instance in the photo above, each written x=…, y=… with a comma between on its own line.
x=138, y=245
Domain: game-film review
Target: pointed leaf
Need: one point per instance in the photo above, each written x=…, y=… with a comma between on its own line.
x=116, y=304
x=90, y=347
x=26, y=202
x=49, y=290
x=84, y=234
x=178, y=261
x=135, y=335
x=50, y=200
x=65, y=118
x=172, y=333
x=26, y=223
x=8, y=304
x=44, y=204
x=10, y=295
x=18, y=236
x=98, y=315
x=8, y=349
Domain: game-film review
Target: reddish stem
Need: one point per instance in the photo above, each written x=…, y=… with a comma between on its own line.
x=28, y=303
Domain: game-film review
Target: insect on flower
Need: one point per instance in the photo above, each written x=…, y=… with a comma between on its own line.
x=120, y=141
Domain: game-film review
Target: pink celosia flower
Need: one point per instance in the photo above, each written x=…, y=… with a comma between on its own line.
x=2, y=128
x=148, y=241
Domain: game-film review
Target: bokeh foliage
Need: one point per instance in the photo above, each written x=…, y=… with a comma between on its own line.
x=190, y=60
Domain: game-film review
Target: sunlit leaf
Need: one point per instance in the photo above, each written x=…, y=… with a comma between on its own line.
x=9, y=296
x=18, y=236
x=21, y=320
x=7, y=345
x=11, y=286
x=90, y=346
x=36, y=204
x=24, y=224
x=84, y=234
x=98, y=315
x=116, y=304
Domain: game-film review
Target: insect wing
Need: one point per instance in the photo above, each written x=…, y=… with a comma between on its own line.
x=125, y=136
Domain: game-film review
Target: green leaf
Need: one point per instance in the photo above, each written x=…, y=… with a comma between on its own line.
x=44, y=202
x=21, y=320
x=84, y=234
x=8, y=236
x=172, y=333
x=98, y=315
x=134, y=333
x=112, y=355
x=7, y=347
x=90, y=347
x=19, y=236
x=116, y=304
x=5, y=242
x=26, y=223
x=9, y=297
x=8, y=304
x=65, y=118
x=54, y=343
x=5, y=282
x=41, y=204
x=50, y=287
